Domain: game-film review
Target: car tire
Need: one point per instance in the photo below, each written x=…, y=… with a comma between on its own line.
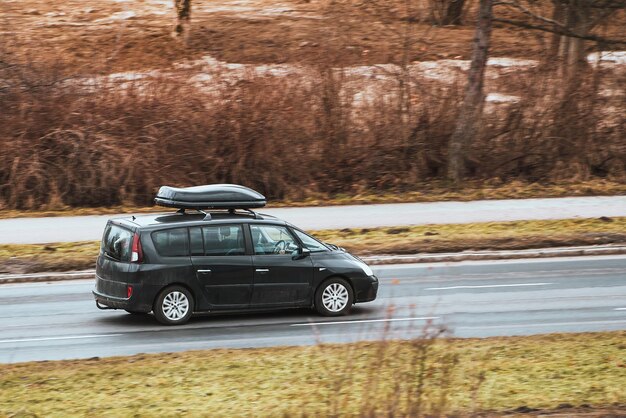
x=334, y=297
x=173, y=306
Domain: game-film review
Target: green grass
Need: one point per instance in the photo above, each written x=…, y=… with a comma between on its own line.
x=459, y=375
x=393, y=240
x=426, y=192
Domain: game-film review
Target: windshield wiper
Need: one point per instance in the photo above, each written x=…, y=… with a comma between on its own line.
x=112, y=256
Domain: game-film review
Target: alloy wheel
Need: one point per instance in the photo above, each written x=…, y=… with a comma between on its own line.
x=335, y=297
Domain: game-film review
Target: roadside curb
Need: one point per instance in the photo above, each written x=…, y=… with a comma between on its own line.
x=52, y=276
x=497, y=255
x=377, y=260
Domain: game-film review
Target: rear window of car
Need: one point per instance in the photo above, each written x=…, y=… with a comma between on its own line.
x=171, y=242
x=116, y=242
x=222, y=240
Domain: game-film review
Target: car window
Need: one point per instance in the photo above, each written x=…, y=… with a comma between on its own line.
x=223, y=240
x=116, y=242
x=272, y=239
x=171, y=242
x=309, y=242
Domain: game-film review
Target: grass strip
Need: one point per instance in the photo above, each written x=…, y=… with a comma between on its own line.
x=425, y=376
x=21, y=258
x=427, y=192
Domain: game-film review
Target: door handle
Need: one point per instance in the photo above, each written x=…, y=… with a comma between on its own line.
x=204, y=271
x=262, y=270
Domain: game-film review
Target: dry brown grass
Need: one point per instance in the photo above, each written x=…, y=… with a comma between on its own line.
x=418, y=378
x=65, y=144
x=428, y=192
x=20, y=258
x=288, y=138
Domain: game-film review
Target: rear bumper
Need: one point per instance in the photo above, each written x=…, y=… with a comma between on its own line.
x=121, y=303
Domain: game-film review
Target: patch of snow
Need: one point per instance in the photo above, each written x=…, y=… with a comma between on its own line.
x=501, y=98
x=374, y=72
x=446, y=71
x=611, y=93
x=609, y=57
x=511, y=62
x=118, y=16
x=165, y=3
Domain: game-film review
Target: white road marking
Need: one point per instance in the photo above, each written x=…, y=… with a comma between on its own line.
x=620, y=309
x=69, y=337
x=360, y=321
x=547, y=324
x=487, y=286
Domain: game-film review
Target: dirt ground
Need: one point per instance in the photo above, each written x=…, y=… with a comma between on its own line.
x=120, y=35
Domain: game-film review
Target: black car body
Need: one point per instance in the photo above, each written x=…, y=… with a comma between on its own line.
x=180, y=263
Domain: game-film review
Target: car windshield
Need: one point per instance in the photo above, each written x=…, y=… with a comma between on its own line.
x=309, y=242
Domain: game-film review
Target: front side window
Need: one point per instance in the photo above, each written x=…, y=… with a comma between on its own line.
x=171, y=242
x=223, y=240
x=309, y=242
x=272, y=239
x=116, y=242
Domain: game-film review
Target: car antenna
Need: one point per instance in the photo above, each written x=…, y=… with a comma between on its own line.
x=133, y=217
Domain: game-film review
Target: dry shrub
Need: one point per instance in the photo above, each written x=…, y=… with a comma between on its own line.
x=76, y=142
x=421, y=388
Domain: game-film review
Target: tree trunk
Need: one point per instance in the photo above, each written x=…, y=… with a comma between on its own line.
x=571, y=51
x=555, y=41
x=471, y=109
x=454, y=13
x=183, y=19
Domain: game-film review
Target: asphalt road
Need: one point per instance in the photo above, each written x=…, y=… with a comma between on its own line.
x=85, y=228
x=470, y=299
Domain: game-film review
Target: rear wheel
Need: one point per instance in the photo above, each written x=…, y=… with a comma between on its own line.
x=334, y=297
x=173, y=306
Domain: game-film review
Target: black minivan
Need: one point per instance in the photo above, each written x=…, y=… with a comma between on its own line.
x=226, y=259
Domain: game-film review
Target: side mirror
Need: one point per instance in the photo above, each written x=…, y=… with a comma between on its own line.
x=302, y=253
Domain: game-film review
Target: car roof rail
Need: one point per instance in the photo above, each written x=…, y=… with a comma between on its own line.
x=208, y=217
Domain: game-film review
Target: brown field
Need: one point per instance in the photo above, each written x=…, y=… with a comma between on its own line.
x=301, y=100
x=113, y=36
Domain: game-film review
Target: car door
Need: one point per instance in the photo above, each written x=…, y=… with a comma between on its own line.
x=282, y=277
x=223, y=265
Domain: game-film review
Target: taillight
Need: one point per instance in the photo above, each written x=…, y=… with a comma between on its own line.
x=129, y=291
x=136, y=255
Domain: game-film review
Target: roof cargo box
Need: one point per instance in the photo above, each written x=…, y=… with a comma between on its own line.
x=211, y=196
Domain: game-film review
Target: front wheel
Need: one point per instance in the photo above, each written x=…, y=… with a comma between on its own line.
x=173, y=306
x=334, y=297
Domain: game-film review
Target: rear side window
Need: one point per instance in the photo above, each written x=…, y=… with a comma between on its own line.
x=116, y=242
x=223, y=240
x=171, y=242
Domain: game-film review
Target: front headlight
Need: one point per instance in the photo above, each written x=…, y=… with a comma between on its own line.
x=366, y=269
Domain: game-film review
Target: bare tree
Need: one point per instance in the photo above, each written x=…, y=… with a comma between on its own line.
x=572, y=23
x=183, y=19
x=471, y=108
x=446, y=12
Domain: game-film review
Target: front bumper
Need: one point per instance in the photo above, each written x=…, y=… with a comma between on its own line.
x=368, y=293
